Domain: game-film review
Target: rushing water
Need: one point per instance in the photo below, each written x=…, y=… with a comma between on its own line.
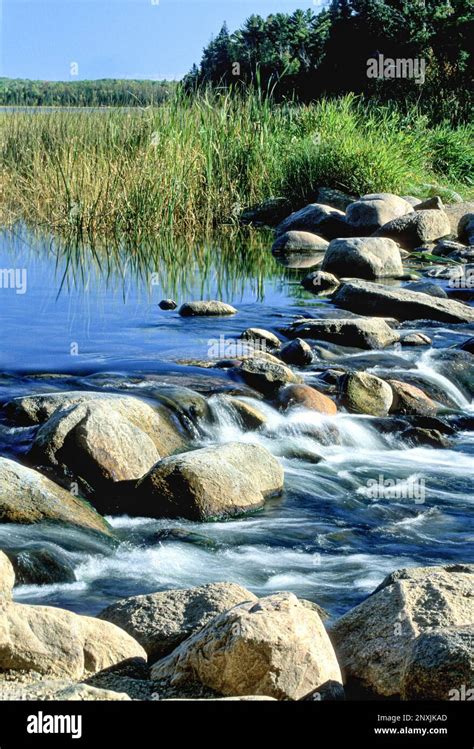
x=91, y=321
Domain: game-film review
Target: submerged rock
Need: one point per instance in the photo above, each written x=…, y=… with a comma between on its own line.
x=356, y=332
x=316, y=218
x=366, y=298
x=7, y=577
x=210, y=483
x=248, y=413
x=27, y=496
x=368, y=257
x=41, y=566
x=374, y=639
x=167, y=304
x=276, y=647
x=416, y=339
x=212, y=308
x=306, y=396
x=370, y=212
x=161, y=621
x=422, y=437
x=58, y=643
x=364, y=393
x=414, y=229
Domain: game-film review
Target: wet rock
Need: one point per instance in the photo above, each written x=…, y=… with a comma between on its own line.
x=210, y=483
x=27, y=496
x=7, y=577
x=366, y=298
x=316, y=218
x=266, y=377
x=446, y=247
x=250, y=416
x=307, y=397
x=373, y=640
x=364, y=393
x=167, y=304
x=296, y=352
x=455, y=213
x=261, y=336
x=370, y=212
x=440, y=665
x=426, y=287
x=416, y=339
x=41, y=566
x=463, y=256
x=456, y=365
x=58, y=643
x=320, y=283
x=268, y=213
x=106, y=440
x=186, y=404
x=466, y=229
x=434, y=203
x=333, y=198
x=212, y=308
x=161, y=621
x=408, y=399
x=414, y=229
x=275, y=647
x=368, y=257
x=419, y=437
x=467, y=346
x=358, y=333
x=299, y=240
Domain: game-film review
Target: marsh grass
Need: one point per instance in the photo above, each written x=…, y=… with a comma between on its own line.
x=193, y=164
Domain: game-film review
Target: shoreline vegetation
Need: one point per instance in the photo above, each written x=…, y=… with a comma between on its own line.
x=196, y=162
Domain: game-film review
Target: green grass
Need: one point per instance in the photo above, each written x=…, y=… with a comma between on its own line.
x=193, y=164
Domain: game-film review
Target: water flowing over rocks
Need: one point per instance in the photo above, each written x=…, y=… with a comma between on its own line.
x=210, y=483
x=266, y=377
x=275, y=647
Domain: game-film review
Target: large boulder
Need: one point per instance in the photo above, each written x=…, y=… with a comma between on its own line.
x=107, y=440
x=265, y=376
x=27, y=496
x=299, y=240
x=374, y=639
x=161, y=621
x=363, y=393
x=455, y=213
x=211, y=308
x=316, y=218
x=411, y=400
x=58, y=643
x=356, y=332
x=210, y=483
x=370, y=212
x=367, y=257
x=276, y=647
x=7, y=577
x=415, y=229
x=440, y=666
x=307, y=397
x=366, y=298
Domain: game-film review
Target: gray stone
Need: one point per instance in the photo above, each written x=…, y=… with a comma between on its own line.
x=320, y=283
x=434, y=203
x=265, y=376
x=427, y=287
x=364, y=393
x=296, y=352
x=368, y=257
x=414, y=229
x=316, y=218
x=299, y=240
x=370, y=212
x=362, y=333
x=7, y=577
x=211, y=308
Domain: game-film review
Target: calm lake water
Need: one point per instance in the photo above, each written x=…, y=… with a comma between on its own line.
x=90, y=320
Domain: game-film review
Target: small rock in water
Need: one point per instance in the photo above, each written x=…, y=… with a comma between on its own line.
x=364, y=393
x=408, y=399
x=167, y=304
x=425, y=437
x=363, y=257
x=212, y=308
x=266, y=377
x=316, y=218
x=296, y=352
x=306, y=396
x=299, y=240
x=426, y=287
x=261, y=336
x=416, y=339
x=319, y=282
x=362, y=333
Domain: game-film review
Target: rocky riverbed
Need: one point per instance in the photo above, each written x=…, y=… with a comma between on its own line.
x=280, y=512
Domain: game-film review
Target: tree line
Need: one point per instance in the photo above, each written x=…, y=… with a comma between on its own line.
x=99, y=93
x=308, y=54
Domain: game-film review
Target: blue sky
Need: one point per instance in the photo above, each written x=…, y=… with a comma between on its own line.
x=43, y=39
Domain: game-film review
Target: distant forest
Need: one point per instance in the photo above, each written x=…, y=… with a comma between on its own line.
x=100, y=93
